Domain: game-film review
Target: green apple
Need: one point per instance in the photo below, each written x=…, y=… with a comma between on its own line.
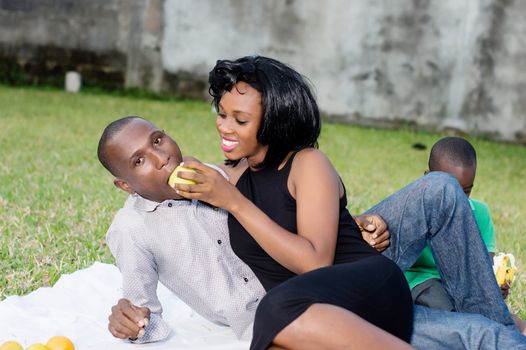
x=177, y=180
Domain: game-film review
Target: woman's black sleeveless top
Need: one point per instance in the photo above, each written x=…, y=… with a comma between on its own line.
x=267, y=189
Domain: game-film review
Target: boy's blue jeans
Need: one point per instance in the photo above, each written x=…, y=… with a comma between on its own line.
x=434, y=208
x=445, y=330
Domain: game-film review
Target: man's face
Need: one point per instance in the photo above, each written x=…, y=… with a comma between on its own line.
x=143, y=157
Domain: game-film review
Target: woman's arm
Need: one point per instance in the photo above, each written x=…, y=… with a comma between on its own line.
x=314, y=184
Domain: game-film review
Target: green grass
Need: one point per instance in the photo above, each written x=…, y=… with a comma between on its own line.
x=56, y=201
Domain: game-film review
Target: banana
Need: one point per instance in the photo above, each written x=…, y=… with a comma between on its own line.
x=504, y=268
x=501, y=271
x=510, y=274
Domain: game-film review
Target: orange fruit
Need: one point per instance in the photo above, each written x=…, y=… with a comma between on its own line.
x=37, y=346
x=59, y=342
x=11, y=345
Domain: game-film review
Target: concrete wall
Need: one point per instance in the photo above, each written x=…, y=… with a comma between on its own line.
x=112, y=43
x=433, y=64
x=41, y=39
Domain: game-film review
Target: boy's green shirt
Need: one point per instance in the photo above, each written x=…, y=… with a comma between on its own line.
x=425, y=268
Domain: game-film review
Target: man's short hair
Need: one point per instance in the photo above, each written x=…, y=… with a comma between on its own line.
x=109, y=132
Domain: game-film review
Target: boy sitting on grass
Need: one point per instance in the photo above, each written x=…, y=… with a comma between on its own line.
x=456, y=156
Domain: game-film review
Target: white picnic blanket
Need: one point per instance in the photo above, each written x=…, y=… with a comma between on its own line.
x=78, y=305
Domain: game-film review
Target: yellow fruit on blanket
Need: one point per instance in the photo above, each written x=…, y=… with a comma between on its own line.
x=60, y=343
x=37, y=346
x=11, y=345
x=177, y=180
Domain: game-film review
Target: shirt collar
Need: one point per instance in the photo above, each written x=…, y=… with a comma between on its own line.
x=143, y=204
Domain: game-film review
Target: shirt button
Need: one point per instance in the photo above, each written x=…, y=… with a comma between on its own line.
x=245, y=279
x=219, y=241
x=170, y=204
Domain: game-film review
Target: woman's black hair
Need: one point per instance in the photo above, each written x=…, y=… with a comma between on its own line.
x=290, y=117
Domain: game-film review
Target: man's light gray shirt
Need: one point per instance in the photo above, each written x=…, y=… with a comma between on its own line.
x=185, y=245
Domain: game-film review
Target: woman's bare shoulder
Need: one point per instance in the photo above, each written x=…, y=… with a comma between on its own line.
x=310, y=156
x=305, y=161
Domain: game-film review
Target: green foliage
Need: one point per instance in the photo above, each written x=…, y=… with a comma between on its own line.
x=56, y=201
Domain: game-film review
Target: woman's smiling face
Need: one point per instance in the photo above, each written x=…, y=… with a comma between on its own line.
x=238, y=121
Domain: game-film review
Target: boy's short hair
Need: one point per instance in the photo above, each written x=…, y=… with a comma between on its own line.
x=455, y=150
x=111, y=130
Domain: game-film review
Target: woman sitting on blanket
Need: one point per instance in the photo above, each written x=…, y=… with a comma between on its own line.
x=289, y=218
x=288, y=221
